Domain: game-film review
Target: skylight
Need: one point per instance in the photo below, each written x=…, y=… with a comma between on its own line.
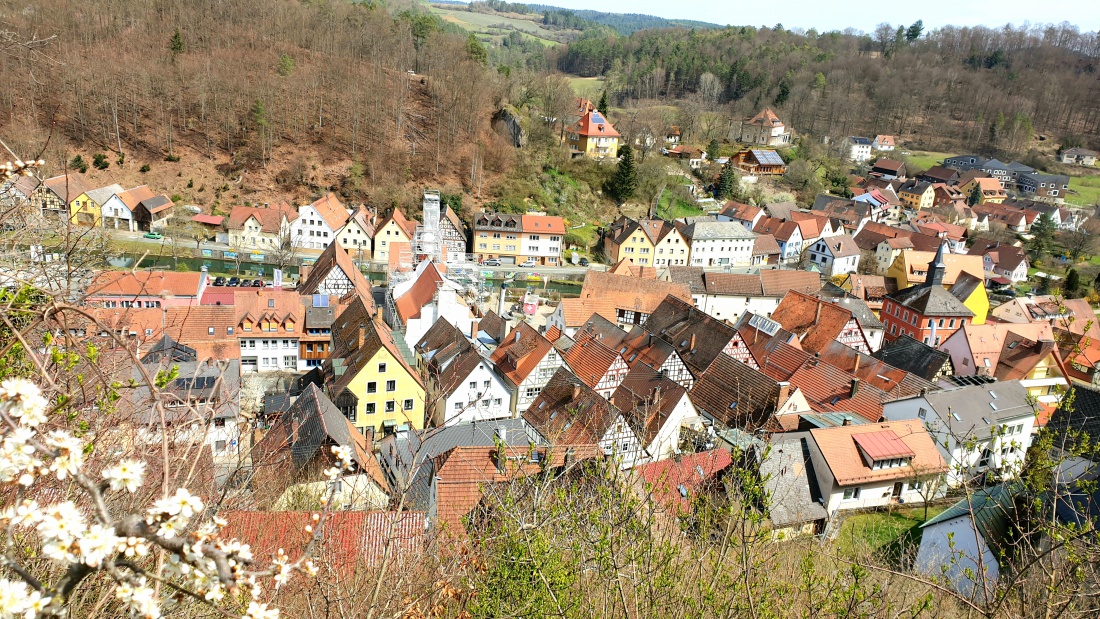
x=956, y=416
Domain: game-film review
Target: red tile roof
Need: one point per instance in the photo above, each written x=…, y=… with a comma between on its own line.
x=593, y=123
x=210, y=220
x=132, y=197
x=840, y=450
x=883, y=445
x=331, y=210
x=283, y=308
x=545, y=224
x=68, y=187
x=816, y=322
x=589, y=358
x=349, y=539
x=270, y=218
x=520, y=353
x=664, y=479
x=420, y=294
x=144, y=284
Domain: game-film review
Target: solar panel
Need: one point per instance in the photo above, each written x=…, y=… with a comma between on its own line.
x=767, y=157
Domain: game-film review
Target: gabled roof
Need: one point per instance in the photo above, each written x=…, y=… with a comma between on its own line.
x=895, y=382
x=145, y=284
x=972, y=411
x=736, y=395
x=132, y=197
x=743, y=212
x=867, y=287
x=1020, y=355
x=331, y=210
x=839, y=448
x=765, y=245
x=625, y=292
x=544, y=224
x=647, y=399
x=402, y=222
x=269, y=218
x=816, y=322
x=419, y=294
x=674, y=483
x=68, y=187
x=101, y=195
x=791, y=482
x=916, y=262
x=930, y=300
x=696, y=336
x=357, y=336
x=890, y=165
x=336, y=257
x=765, y=118
x=157, y=204
x=777, y=283
x=913, y=356
x=589, y=358
x=569, y=412
x=841, y=246
x=594, y=124
x=520, y=353
x=985, y=342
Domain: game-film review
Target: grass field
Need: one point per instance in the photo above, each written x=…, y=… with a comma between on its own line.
x=877, y=530
x=1087, y=188
x=586, y=86
x=485, y=23
x=925, y=160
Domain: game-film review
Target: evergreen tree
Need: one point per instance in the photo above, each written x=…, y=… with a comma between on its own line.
x=622, y=184
x=712, y=150
x=726, y=182
x=602, y=105
x=476, y=50
x=975, y=196
x=1073, y=282
x=915, y=31
x=286, y=66
x=176, y=45
x=1042, y=236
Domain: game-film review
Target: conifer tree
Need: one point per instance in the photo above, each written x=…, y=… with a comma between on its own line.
x=622, y=184
x=176, y=45
x=602, y=105
x=726, y=181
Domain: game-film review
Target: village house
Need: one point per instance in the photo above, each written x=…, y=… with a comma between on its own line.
x=759, y=162
x=526, y=360
x=297, y=450
x=1078, y=156
x=871, y=289
x=916, y=194
x=764, y=129
x=888, y=169
x=1049, y=186
x=268, y=323
x=462, y=385
x=1007, y=261
x=978, y=429
x=645, y=242
x=374, y=386
x=718, y=243
x=317, y=223
x=794, y=508
x=357, y=235
x=569, y=412
x=515, y=239
x=422, y=299
x=1024, y=352
x=989, y=190
x=728, y=295
x=872, y=465
x=153, y=213
x=815, y=322
x=744, y=214
x=315, y=339
x=87, y=208
x=333, y=273
x=964, y=277
x=765, y=251
x=926, y=311
x=857, y=149
x=939, y=174
x=622, y=299
x=1073, y=315
x=54, y=196
x=656, y=407
x=835, y=255
x=265, y=227
x=735, y=395
x=884, y=143
x=593, y=136
x=145, y=289
x=917, y=358
x=596, y=365
x=393, y=235
x=118, y=211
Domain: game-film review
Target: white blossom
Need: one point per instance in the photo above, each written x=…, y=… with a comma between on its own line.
x=22, y=399
x=343, y=454
x=128, y=474
x=183, y=504
x=14, y=598
x=97, y=544
x=61, y=522
x=70, y=453
x=257, y=610
x=140, y=599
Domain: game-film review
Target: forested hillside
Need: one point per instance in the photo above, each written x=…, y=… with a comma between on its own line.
x=278, y=95
x=949, y=87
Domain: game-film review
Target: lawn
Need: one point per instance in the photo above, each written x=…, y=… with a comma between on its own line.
x=877, y=531
x=484, y=22
x=1087, y=188
x=925, y=160
x=671, y=207
x=585, y=86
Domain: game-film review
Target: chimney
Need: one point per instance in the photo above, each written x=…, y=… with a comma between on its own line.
x=923, y=392
x=854, y=389
x=576, y=392
x=784, y=391
x=204, y=279
x=817, y=318
x=362, y=335
x=691, y=342
x=847, y=421
x=502, y=435
x=501, y=459
x=378, y=315
x=856, y=368
x=473, y=329
x=570, y=457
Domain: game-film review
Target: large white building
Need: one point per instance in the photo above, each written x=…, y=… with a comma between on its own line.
x=835, y=255
x=318, y=223
x=718, y=243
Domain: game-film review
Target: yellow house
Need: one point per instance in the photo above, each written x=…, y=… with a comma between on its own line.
x=627, y=240
x=670, y=248
x=593, y=136
x=394, y=229
x=990, y=188
x=1036, y=364
x=371, y=382
x=917, y=194
x=964, y=277
x=87, y=208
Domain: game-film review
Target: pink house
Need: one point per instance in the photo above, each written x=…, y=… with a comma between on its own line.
x=146, y=289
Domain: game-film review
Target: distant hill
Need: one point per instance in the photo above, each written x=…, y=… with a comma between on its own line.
x=627, y=23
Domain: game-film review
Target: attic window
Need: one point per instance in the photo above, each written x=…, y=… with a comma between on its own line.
x=683, y=343
x=683, y=491
x=733, y=405
x=552, y=415
x=210, y=330
x=985, y=420
x=922, y=413
x=993, y=395
x=699, y=470
x=622, y=350
x=956, y=416
x=542, y=405
x=271, y=302
x=993, y=405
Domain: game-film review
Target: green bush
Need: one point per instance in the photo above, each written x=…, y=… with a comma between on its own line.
x=77, y=163
x=172, y=158
x=145, y=168
x=99, y=160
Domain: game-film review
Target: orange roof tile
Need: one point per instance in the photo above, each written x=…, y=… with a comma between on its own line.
x=520, y=353
x=144, y=284
x=421, y=293
x=331, y=210
x=594, y=124
x=589, y=358
x=841, y=451
x=815, y=321
x=692, y=473
x=270, y=218
x=545, y=224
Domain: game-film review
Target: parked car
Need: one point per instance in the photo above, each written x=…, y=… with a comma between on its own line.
x=491, y=262
x=584, y=262
x=234, y=281
x=154, y=236
x=219, y=281
x=530, y=262
x=257, y=283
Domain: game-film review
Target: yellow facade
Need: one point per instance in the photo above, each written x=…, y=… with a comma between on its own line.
x=916, y=200
x=994, y=199
x=375, y=396
x=1043, y=371
x=637, y=248
x=83, y=211
x=978, y=302
x=385, y=236
x=595, y=147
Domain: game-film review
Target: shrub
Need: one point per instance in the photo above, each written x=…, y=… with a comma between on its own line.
x=172, y=158
x=77, y=163
x=145, y=168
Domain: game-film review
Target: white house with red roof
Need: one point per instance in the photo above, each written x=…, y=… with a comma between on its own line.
x=318, y=223
x=883, y=142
